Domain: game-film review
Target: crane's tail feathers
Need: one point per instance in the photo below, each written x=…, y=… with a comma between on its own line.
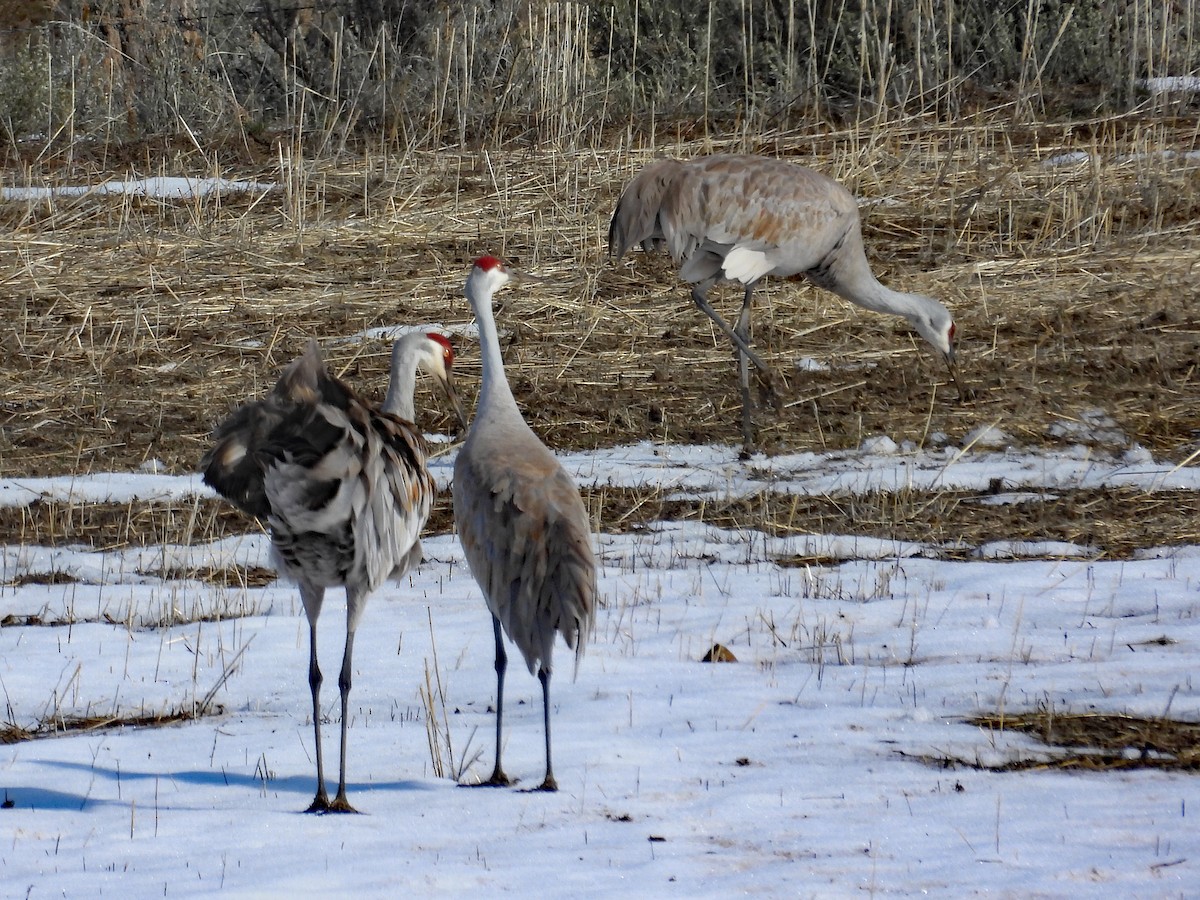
x=746, y=264
x=635, y=220
x=234, y=467
x=584, y=613
x=301, y=381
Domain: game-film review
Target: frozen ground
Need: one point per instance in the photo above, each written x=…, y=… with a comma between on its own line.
x=792, y=772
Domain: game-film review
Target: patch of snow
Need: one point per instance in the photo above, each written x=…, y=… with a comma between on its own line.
x=1172, y=84
x=1015, y=498
x=1018, y=549
x=161, y=187
x=986, y=436
x=1093, y=425
x=1072, y=158
x=1137, y=455
x=879, y=445
x=810, y=364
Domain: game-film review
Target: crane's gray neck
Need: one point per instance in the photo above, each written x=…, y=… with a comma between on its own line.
x=494, y=390
x=868, y=293
x=402, y=383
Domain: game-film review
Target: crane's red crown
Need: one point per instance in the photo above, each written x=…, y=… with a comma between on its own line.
x=447, y=347
x=487, y=263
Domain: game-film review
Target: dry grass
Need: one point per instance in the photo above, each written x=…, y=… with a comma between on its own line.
x=135, y=324
x=1113, y=523
x=61, y=725
x=1089, y=742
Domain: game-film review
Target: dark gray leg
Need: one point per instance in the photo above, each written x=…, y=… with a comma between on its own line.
x=499, y=779
x=742, y=330
x=548, y=784
x=312, y=598
x=340, y=803
x=739, y=342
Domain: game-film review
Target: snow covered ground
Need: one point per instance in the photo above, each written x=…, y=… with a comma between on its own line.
x=793, y=772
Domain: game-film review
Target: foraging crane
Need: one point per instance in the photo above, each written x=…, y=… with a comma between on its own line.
x=343, y=487
x=522, y=524
x=742, y=218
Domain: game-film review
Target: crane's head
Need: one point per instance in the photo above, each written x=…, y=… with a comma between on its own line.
x=438, y=361
x=934, y=323
x=433, y=354
x=487, y=276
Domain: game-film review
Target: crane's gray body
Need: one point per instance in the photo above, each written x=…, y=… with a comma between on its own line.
x=741, y=218
x=522, y=524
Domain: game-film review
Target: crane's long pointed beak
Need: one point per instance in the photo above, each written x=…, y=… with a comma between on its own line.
x=452, y=396
x=964, y=393
x=521, y=276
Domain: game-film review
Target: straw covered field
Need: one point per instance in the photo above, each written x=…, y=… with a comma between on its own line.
x=1066, y=252
x=942, y=603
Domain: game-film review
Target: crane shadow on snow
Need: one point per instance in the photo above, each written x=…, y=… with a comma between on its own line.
x=42, y=798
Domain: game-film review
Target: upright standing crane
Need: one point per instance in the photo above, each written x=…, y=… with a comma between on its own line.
x=522, y=524
x=343, y=487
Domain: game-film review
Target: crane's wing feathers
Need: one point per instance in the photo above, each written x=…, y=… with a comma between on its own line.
x=344, y=488
x=235, y=465
x=526, y=536
x=738, y=217
x=232, y=467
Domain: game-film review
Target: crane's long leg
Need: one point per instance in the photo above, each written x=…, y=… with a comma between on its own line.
x=548, y=784
x=741, y=343
x=312, y=597
x=354, y=605
x=742, y=330
x=499, y=779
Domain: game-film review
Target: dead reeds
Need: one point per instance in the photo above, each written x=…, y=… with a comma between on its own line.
x=1089, y=742
x=137, y=323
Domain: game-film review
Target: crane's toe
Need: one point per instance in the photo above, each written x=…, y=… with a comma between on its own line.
x=498, y=779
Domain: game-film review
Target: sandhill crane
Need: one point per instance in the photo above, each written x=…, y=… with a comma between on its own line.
x=745, y=217
x=343, y=487
x=522, y=524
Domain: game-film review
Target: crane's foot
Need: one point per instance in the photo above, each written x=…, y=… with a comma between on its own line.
x=320, y=803
x=341, y=805
x=548, y=785
x=497, y=779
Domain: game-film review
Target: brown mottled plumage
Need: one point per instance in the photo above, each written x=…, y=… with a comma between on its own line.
x=343, y=488
x=742, y=218
x=522, y=524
